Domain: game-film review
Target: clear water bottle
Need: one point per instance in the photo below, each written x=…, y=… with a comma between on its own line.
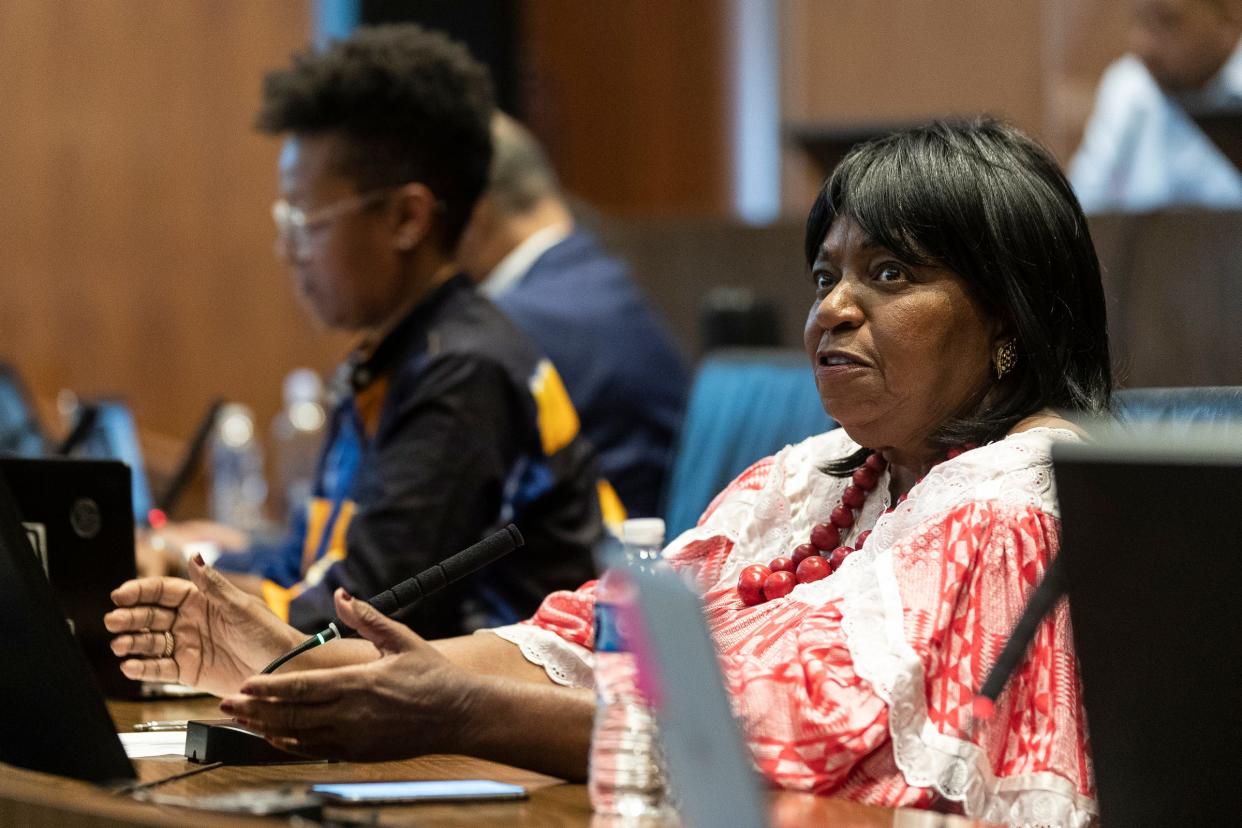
x=297, y=436
x=238, y=488
x=627, y=770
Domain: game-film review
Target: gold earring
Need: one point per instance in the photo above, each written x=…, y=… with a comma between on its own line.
x=1004, y=357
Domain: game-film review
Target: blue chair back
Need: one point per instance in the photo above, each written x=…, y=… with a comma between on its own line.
x=20, y=433
x=1182, y=406
x=744, y=405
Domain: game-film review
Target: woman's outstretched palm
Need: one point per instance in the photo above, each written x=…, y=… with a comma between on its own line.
x=220, y=635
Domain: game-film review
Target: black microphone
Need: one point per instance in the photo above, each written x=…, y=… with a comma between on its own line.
x=1042, y=600
x=83, y=424
x=412, y=590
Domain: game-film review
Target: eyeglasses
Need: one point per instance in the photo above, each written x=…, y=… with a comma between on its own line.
x=296, y=227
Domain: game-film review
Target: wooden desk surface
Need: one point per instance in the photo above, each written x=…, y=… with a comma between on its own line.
x=36, y=799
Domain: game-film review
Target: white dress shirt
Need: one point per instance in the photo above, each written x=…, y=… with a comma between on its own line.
x=515, y=265
x=1141, y=151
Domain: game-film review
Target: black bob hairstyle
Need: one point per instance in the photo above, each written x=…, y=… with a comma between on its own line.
x=411, y=104
x=984, y=201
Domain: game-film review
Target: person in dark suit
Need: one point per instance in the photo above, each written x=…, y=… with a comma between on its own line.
x=625, y=375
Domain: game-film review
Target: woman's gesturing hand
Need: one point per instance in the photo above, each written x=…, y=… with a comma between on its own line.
x=204, y=632
x=410, y=701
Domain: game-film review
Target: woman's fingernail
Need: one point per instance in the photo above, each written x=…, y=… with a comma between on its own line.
x=345, y=596
x=198, y=559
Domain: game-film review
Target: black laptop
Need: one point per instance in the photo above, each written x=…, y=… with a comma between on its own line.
x=52, y=713
x=77, y=516
x=113, y=435
x=1152, y=547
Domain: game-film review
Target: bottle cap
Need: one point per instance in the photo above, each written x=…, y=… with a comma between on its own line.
x=235, y=424
x=643, y=531
x=302, y=385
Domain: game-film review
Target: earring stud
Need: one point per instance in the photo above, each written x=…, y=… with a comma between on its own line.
x=1004, y=357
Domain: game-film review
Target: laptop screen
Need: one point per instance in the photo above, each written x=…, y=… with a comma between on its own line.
x=708, y=761
x=1152, y=567
x=52, y=714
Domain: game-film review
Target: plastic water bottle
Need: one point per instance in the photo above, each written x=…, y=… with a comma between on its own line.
x=238, y=488
x=297, y=436
x=627, y=770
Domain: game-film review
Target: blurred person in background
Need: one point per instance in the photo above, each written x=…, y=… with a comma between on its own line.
x=625, y=375
x=1142, y=149
x=449, y=423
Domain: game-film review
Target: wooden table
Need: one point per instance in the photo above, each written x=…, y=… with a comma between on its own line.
x=35, y=799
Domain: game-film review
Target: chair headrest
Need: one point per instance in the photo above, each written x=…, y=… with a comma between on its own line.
x=1201, y=405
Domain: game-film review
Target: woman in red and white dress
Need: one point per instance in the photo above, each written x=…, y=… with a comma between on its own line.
x=889, y=650
x=957, y=313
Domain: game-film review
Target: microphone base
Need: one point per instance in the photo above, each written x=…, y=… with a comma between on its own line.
x=223, y=740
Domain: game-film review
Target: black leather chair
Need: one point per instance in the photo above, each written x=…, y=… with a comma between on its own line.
x=1182, y=406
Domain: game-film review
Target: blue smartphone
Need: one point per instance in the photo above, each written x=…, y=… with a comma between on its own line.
x=446, y=790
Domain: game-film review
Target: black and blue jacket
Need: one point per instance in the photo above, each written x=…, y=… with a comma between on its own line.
x=451, y=427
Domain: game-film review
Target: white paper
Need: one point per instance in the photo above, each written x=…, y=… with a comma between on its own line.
x=158, y=743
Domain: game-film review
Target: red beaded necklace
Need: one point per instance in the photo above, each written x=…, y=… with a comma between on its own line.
x=825, y=553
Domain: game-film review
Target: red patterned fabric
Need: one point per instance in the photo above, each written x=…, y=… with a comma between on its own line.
x=571, y=615
x=860, y=685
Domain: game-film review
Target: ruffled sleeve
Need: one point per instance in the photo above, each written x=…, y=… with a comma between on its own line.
x=560, y=636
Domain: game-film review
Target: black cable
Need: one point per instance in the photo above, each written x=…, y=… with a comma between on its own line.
x=82, y=426
x=135, y=787
x=1045, y=596
x=190, y=461
x=1042, y=600
x=308, y=644
x=432, y=579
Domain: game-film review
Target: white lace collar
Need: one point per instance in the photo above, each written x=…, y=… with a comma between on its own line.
x=797, y=494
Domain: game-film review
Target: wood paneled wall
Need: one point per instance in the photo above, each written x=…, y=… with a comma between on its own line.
x=136, y=250
x=137, y=246
x=631, y=98
x=1081, y=37
x=879, y=62
x=883, y=61
x=135, y=254
x=1165, y=331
